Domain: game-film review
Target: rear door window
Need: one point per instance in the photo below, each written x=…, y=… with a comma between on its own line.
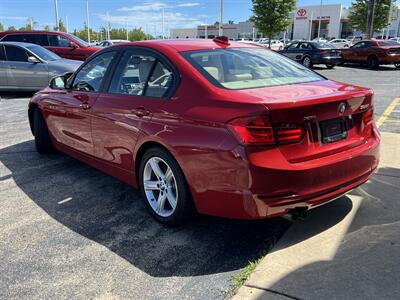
x=141, y=75
x=16, y=54
x=13, y=38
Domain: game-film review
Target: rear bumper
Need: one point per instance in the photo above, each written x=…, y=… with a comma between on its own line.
x=275, y=188
x=336, y=60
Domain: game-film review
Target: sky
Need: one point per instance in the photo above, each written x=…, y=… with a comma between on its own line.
x=146, y=14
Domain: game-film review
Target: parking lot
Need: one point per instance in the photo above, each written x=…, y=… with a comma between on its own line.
x=70, y=231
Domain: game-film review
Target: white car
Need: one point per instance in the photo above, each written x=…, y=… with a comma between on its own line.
x=275, y=45
x=396, y=39
x=107, y=43
x=340, y=43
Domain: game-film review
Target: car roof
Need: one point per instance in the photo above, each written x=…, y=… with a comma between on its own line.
x=181, y=45
x=31, y=31
x=21, y=44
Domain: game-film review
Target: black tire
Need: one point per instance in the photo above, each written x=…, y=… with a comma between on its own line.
x=43, y=142
x=329, y=66
x=185, y=208
x=373, y=62
x=397, y=66
x=307, y=62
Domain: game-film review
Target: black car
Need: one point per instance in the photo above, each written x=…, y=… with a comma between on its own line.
x=313, y=53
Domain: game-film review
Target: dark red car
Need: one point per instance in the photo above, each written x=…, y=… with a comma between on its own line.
x=64, y=44
x=231, y=130
x=373, y=53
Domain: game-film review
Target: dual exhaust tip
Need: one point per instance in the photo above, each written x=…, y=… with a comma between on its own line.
x=296, y=214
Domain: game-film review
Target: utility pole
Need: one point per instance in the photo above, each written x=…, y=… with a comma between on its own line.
x=87, y=20
x=320, y=19
x=127, y=31
x=370, y=18
x=56, y=14
x=221, y=19
x=389, y=19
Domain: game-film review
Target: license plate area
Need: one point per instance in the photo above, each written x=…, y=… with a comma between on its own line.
x=333, y=130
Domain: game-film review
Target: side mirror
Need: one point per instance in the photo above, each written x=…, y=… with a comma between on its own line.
x=60, y=82
x=73, y=45
x=33, y=60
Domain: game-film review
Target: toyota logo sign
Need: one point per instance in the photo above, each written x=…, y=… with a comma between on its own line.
x=301, y=12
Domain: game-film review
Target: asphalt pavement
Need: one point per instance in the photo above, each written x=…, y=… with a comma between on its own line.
x=70, y=231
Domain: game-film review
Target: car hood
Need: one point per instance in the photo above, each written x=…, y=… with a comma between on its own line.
x=297, y=95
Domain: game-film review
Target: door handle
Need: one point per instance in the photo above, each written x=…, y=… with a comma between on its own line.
x=85, y=106
x=140, y=112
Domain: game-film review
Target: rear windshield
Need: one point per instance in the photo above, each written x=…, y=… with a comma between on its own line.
x=323, y=46
x=388, y=43
x=246, y=68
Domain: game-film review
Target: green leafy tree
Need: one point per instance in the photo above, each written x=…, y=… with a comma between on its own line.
x=11, y=28
x=359, y=11
x=46, y=28
x=1, y=27
x=272, y=16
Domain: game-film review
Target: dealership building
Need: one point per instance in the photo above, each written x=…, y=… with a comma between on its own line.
x=334, y=20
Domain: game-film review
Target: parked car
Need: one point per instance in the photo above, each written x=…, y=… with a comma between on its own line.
x=30, y=67
x=107, y=43
x=354, y=39
x=313, y=53
x=64, y=44
x=396, y=39
x=373, y=53
x=275, y=45
x=340, y=43
x=267, y=137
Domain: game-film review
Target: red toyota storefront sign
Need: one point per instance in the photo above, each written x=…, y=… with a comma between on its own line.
x=301, y=14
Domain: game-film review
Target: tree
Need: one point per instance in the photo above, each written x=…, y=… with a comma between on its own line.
x=272, y=16
x=46, y=28
x=1, y=27
x=359, y=12
x=11, y=28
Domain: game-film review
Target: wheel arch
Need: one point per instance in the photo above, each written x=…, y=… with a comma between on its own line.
x=31, y=115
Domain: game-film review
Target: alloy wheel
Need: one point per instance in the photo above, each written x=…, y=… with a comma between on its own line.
x=160, y=187
x=307, y=62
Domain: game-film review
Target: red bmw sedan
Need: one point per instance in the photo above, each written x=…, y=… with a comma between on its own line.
x=211, y=126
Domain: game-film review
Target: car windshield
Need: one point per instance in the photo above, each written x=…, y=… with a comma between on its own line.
x=388, y=43
x=80, y=41
x=43, y=53
x=246, y=68
x=323, y=46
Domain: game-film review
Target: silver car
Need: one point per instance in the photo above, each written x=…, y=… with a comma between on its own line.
x=29, y=67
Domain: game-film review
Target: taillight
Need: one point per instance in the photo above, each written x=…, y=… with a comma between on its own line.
x=288, y=133
x=368, y=117
x=259, y=130
x=253, y=130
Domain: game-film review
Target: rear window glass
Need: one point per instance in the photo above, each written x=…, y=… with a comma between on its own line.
x=324, y=46
x=388, y=43
x=245, y=68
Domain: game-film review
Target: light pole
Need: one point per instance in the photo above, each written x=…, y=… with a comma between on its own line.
x=56, y=14
x=320, y=19
x=162, y=23
x=87, y=20
x=66, y=23
x=221, y=19
x=127, y=31
x=31, y=22
x=389, y=19
x=311, y=23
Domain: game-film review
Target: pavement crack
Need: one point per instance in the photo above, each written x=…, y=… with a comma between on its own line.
x=274, y=292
